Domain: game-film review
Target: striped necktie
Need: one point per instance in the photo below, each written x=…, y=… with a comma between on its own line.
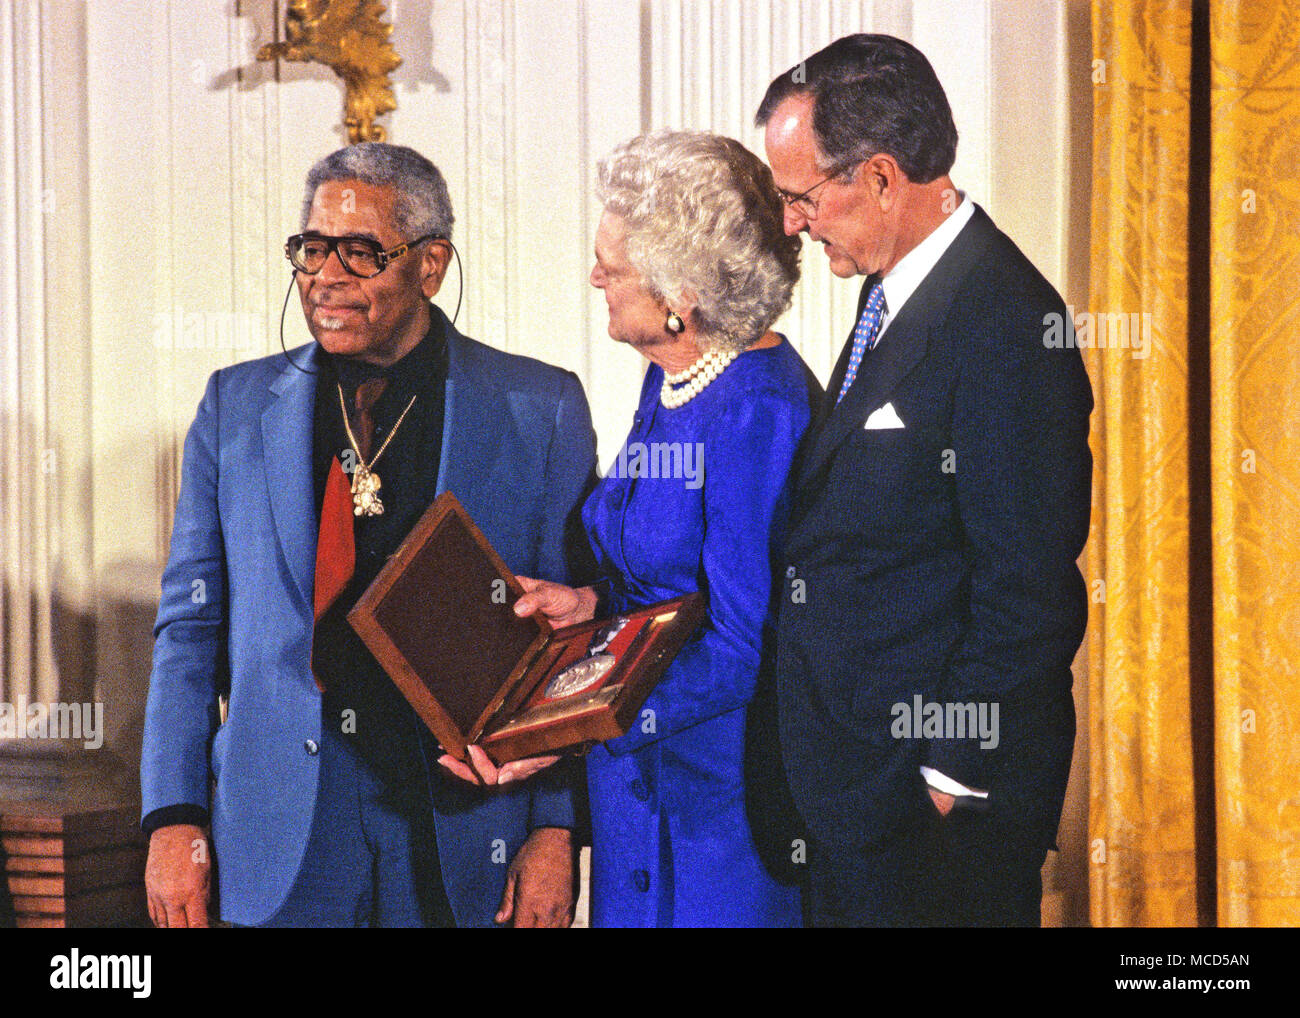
x=865, y=335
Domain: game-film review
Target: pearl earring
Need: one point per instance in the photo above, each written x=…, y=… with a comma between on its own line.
x=674, y=323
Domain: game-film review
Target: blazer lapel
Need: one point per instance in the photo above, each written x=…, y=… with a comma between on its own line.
x=901, y=349
x=474, y=428
x=287, y=444
x=842, y=365
x=822, y=412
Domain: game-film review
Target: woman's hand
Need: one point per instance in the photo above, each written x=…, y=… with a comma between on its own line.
x=562, y=606
x=482, y=771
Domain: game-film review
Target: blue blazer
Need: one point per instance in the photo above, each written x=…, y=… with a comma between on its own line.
x=518, y=451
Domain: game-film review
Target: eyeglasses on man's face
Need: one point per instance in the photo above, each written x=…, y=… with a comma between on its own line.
x=804, y=203
x=361, y=256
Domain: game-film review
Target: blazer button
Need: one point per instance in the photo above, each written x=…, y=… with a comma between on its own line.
x=639, y=790
x=311, y=747
x=789, y=572
x=642, y=880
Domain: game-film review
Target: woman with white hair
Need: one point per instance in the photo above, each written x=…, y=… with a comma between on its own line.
x=695, y=266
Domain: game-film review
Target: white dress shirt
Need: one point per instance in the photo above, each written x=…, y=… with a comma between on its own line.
x=901, y=281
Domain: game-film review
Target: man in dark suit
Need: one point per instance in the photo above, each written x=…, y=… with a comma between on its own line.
x=327, y=807
x=932, y=602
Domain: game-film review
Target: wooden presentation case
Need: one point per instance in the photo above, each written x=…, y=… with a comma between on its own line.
x=440, y=620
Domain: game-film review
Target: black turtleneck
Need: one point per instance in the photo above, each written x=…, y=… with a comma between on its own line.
x=408, y=470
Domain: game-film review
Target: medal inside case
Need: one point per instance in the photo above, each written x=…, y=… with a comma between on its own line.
x=439, y=618
x=601, y=707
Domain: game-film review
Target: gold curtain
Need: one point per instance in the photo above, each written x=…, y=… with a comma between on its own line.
x=1144, y=630
x=1141, y=836
x=1255, y=443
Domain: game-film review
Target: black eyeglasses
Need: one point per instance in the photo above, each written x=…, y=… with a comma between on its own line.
x=803, y=203
x=361, y=256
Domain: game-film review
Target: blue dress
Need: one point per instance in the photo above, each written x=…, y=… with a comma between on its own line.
x=671, y=845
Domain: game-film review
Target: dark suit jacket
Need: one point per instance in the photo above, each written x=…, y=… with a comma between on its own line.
x=938, y=560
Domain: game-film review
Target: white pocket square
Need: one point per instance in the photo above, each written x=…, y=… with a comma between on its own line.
x=882, y=418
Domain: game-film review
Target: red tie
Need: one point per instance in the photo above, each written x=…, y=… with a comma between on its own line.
x=336, y=551
x=368, y=393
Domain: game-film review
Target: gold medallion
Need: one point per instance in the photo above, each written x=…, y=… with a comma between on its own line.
x=365, y=482
x=365, y=493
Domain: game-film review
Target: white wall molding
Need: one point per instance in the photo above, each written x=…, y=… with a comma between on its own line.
x=27, y=666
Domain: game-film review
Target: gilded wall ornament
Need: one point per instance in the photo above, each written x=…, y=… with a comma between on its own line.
x=349, y=37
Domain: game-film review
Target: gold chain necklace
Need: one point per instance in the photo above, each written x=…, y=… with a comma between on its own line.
x=365, y=482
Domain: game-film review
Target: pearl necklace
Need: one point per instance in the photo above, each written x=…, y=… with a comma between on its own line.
x=697, y=376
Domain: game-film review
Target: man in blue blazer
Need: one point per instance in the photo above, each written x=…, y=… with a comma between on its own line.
x=324, y=806
x=933, y=604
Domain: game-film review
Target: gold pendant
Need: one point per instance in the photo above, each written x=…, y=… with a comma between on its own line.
x=365, y=493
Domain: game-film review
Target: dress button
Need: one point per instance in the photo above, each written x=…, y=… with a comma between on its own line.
x=311, y=747
x=639, y=789
x=789, y=572
x=642, y=880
